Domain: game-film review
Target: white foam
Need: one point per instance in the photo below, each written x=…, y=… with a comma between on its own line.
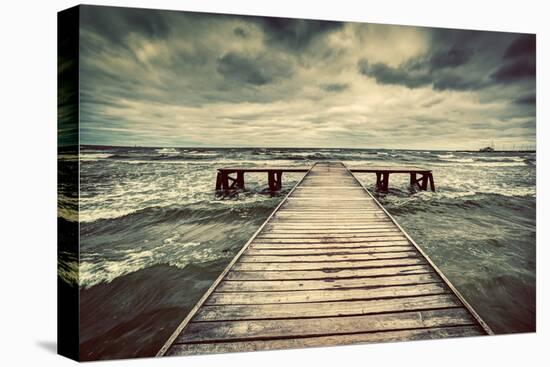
x=68, y=271
x=167, y=151
x=95, y=270
x=94, y=156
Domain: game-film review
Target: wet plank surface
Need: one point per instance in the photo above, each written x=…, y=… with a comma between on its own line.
x=329, y=267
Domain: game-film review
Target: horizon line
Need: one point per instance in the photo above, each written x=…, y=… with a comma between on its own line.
x=275, y=147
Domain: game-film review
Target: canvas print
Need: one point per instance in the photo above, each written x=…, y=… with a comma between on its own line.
x=233, y=183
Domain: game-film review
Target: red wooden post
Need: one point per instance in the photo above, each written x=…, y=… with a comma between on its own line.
x=413, y=179
x=385, y=181
x=424, y=181
x=271, y=180
x=432, y=185
x=218, y=181
x=279, y=178
x=378, y=180
x=274, y=179
x=240, y=179
x=225, y=180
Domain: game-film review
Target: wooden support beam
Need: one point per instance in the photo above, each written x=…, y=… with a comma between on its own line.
x=432, y=185
x=386, y=181
x=219, y=181
x=382, y=180
x=425, y=182
x=271, y=180
x=240, y=180
x=274, y=179
x=225, y=181
x=413, y=181
x=233, y=182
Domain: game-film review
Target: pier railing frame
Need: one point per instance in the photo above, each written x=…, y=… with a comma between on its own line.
x=228, y=179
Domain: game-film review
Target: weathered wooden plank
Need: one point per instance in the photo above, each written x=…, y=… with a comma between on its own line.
x=339, y=294
x=354, y=219
x=343, y=202
x=324, y=341
x=373, y=233
x=247, y=258
x=289, y=231
x=330, y=197
x=330, y=239
x=325, y=251
x=254, y=329
x=331, y=213
x=312, y=209
x=327, y=227
x=341, y=245
x=328, y=274
x=330, y=222
x=329, y=218
x=337, y=204
x=325, y=309
x=327, y=265
x=328, y=214
x=299, y=285
x=302, y=208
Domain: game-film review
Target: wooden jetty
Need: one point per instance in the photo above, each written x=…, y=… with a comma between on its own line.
x=329, y=266
x=420, y=178
x=224, y=180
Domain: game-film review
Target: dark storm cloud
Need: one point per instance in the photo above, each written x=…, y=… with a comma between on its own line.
x=514, y=71
x=251, y=70
x=296, y=34
x=523, y=45
x=530, y=99
x=435, y=70
x=240, y=32
x=114, y=24
x=403, y=75
x=421, y=72
x=460, y=60
x=334, y=87
x=519, y=61
x=452, y=57
x=447, y=81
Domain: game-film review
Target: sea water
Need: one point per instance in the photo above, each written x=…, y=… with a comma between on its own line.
x=154, y=235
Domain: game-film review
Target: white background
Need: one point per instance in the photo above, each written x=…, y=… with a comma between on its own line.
x=28, y=181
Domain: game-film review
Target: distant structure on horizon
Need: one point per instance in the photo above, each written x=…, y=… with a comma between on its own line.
x=489, y=149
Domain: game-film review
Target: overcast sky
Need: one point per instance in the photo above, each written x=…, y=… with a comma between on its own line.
x=162, y=78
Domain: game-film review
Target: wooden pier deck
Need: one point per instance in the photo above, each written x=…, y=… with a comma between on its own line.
x=330, y=266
